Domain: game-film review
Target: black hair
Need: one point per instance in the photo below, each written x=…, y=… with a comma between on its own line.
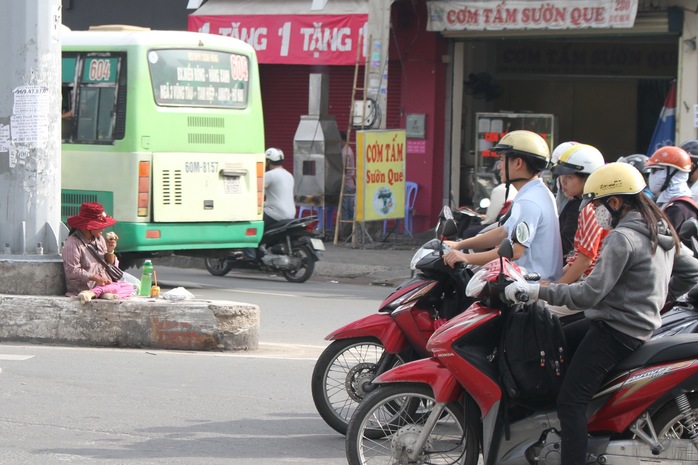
x=653, y=217
x=343, y=135
x=534, y=164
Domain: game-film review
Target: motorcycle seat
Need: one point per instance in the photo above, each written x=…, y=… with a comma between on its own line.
x=282, y=224
x=679, y=347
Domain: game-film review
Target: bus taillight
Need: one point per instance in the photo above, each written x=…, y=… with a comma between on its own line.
x=143, y=187
x=260, y=187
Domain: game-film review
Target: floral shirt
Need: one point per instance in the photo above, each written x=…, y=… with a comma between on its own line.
x=588, y=238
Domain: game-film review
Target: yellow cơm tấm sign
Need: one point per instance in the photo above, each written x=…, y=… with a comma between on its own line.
x=380, y=168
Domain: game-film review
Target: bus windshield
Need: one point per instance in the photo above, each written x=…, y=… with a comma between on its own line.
x=199, y=78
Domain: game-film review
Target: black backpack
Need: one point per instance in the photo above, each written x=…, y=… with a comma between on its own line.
x=532, y=354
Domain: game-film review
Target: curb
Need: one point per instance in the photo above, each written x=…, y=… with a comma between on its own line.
x=133, y=323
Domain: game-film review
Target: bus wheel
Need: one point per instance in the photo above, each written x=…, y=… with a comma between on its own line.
x=218, y=266
x=306, y=268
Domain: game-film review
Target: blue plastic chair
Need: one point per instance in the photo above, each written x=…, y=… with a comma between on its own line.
x=324, y=223
x=411, y=189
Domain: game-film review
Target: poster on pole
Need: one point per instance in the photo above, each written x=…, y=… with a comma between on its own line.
x=380, y=184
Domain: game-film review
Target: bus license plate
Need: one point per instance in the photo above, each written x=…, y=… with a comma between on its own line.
x=232, y=186
x=317, y=244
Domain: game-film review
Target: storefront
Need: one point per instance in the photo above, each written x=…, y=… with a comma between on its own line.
x=602, y=68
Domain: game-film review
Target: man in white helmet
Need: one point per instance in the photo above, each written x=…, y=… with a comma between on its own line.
x=279, y=204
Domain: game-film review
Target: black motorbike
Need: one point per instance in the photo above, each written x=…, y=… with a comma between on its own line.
x=288, y=247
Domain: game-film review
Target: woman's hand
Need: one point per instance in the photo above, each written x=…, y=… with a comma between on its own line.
x=100, y=281
x=110, y=238
x=453, y=257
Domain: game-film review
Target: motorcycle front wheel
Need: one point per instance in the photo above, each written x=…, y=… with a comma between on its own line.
x=306, y=268
x=380, y=434
x=218, y=266
x=340, y=377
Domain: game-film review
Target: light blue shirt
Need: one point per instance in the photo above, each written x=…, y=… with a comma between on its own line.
x=535, y=206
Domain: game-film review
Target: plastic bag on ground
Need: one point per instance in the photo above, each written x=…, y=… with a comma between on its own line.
x=178, y=293
x=129, y=278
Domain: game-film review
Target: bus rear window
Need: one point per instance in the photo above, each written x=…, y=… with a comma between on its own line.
x=199, y=78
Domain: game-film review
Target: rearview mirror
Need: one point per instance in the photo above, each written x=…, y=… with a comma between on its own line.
x=446, y=213
x=506, y=250
x=446, y=226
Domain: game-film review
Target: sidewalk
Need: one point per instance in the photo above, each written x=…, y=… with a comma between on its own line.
x=379, y=263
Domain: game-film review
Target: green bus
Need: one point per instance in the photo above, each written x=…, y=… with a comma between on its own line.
x=165, y=129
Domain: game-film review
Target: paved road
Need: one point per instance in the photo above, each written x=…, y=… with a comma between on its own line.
x=100, y=406
x=290, y=313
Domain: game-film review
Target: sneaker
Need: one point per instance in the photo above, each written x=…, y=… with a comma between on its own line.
x=86, y=296
x=109, y=296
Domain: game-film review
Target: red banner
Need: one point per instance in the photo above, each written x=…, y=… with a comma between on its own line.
x=298, y=39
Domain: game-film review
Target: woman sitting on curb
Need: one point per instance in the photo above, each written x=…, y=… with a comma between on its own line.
x=85, y=276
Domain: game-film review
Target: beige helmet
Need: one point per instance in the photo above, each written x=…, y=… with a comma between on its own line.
x=612, y=179
x=579, y=158
x=526, y=144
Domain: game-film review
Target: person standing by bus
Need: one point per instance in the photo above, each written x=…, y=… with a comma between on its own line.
x=278, y=190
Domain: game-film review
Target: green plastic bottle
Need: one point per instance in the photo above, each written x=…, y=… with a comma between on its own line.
x=146, y=279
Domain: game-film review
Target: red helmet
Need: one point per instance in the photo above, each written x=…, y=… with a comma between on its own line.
x=675, y=157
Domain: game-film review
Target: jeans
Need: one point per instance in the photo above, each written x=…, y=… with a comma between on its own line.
x=348, y=206
x=600, y=350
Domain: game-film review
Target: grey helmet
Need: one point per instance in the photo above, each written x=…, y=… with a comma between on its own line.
x=638, y=160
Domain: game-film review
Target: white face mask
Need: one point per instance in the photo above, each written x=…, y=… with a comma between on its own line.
x=603, y=217
x=656, y=180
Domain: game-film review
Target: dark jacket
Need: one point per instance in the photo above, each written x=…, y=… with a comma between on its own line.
x=568, y=218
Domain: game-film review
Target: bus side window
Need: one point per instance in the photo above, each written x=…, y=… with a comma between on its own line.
x=95, y=114
x=67, y=116
x=99, y=117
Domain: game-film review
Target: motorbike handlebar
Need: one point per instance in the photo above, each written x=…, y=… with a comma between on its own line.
x=522, y=296
x=532, y=277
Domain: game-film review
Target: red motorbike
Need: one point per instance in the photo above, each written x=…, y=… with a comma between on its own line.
x=397, y=334
x=448, y=408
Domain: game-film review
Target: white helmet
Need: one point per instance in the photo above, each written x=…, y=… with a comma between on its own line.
x=274, y=154
x=580, y=158
x=560, y=149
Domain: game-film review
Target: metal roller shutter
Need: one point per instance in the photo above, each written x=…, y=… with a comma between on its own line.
x=285, y=100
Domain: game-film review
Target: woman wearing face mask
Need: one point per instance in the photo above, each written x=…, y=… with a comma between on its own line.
x=669, y=170
x=621, y=297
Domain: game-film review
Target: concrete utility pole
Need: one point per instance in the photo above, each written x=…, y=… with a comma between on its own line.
x=378, y=43
x=30, y=151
